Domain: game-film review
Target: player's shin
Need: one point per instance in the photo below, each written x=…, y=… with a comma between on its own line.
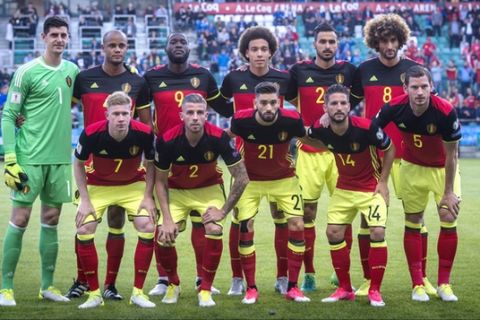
x=12, y=246
x=48, y=247
x=296, y=250
x=89, y=259
x=211, y=259
x=198, y=243
x=143, y=257
x=233, y=241
x=364, y=249
x=377, y=259
x=412, y=243
x=281, y=242
x=246, y=249
x=446, y=248
x=115, y=246
x=341, y=263
x=168, y=259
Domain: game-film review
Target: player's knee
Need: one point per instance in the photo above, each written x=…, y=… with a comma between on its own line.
x=416, y=218
x=276, y=214
x=50, y=215
x=116, y=217
x=363, y=222
x=246, y=225
x=295, y=224
x=144, y=224
x=88, y=228
x=334, y=234
x=213, y=229
x=377, y=234
x=446, y=216
x=19, y=219
x=310, y=212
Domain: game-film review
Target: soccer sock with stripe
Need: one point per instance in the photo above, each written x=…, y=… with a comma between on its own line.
x=341, y=263
x=143, y=258
x=115, y=245
x=412, y=242
x=80, y=275
x=12, y=247
x=446, y=248
x=198, y=241
x=48, y=247
x=233, y=241
x=168, y=259
x=281, y=243
x=88, y=259
x=424, y=233
x=310, y=236
x=247, y=256
x=211, y=260
x=296, y=251
x=364, y=248
x=377, y=260
x=162, y=274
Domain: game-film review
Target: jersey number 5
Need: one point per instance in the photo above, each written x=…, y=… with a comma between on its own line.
x=417, y=140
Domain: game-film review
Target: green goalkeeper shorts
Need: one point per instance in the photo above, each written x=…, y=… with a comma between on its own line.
x=52, y=182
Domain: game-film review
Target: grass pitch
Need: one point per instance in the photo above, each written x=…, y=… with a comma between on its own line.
x=396, y=286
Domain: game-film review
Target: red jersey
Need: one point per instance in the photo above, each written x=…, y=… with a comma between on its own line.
x=266, y=148
x=115, y=163
x=194, y=167
x=356, y=156
x=379, y=84
x=423, y=135
x=309, y=82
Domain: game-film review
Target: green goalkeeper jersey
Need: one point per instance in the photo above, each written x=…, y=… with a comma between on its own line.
x=42, y=94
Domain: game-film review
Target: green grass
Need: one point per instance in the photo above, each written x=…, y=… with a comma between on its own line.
x=396, y=288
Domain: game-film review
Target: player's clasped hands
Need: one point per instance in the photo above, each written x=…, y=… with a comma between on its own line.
x=213, y=214
x=167, y=232
x=84, y=210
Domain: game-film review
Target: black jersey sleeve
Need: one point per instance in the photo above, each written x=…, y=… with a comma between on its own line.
x=83, y=149
x=378, y=137
x=451, y=130
x=292, y=88
x=149, y=149
x=143, y=98
x=384, y=116
x=356, y=92
x=226, y=88
x=227, y=150
x=163, y=154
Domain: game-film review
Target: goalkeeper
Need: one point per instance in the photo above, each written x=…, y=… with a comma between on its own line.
x=38, y=156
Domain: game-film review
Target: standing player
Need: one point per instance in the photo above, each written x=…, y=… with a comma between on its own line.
x=362, y=187
x=38, y=156
x=267, y=131
x=314, y=167
x=188, y=179
x=168, y=85
x=91, y=89
x=430, y=131
x=115, y=147
x=257, y=45
x=378, y=81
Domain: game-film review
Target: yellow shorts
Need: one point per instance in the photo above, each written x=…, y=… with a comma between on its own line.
x=314, y=171
x=427, y=179
x=285, y=192
x=183, y=201
x=128, y=197
x=344, y=205
x=396, y=179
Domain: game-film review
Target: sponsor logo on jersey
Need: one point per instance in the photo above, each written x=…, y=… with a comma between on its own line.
x=209, y=155
x=126, y=87
x=134, y=150
x=373, y=78
x=402, y=125
x=94, y=86
x=162, y=85
x=179, y=159
x=329, y=146
x=340, y=78
x=104, y=152
x=431, y=128
x=309, y=80
x=251, y=137
x=195, y=82
x=282, y=136
x=355, y=146
x=243, y=87
x=69, y=81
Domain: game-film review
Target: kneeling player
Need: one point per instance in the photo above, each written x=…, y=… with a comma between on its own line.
x=117, y=178
x=361, y=187
x=188, y=179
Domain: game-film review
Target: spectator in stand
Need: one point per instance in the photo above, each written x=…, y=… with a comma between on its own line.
x=414, y=27
x=223, y=59
x=476, y=76
x=454, y=32
x=131, y=9
x=429, y=49
x=452, y=73
x=242, y=24
x=149, y=10
x=412, y=49
x=467, y=111
x=219, y=23
x=130, y=28
x=465, y=75
x=223, y=36
x=309, y=21
x=437, y=21
x=437, y=75
x=476, y=47
x=118, y=9
x=253, y=22
x=161, y=11
x=3, y=95
x=455, y=98
x=467, y=29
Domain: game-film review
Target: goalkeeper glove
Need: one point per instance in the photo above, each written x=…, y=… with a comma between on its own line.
x=15, y=177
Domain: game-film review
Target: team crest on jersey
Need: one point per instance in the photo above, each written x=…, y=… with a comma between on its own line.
x=282, y=136
x=134, y=150
x=340, y=78
x=126, y=87
x=69, y=81
x=431, y=128
x=195, y=82
x=402, y=77
x=355, y=146
x=209, y=155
